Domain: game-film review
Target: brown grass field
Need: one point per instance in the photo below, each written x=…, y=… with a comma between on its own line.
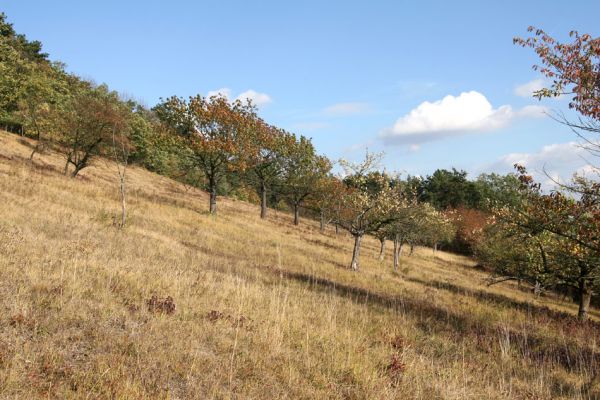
x=182, y=305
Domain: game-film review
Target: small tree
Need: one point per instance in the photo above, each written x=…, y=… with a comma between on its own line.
x=266, y=160
x=121, y=150
x=87, y=122
x=368, y=203
x=325, y=200
x=439, y=228
x=514, y=254
x=409, y=226
x=303, y=169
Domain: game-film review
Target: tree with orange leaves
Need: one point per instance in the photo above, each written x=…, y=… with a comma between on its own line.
x=216, y=132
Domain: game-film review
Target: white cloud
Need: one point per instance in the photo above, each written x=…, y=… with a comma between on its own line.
x=346, y=109
x=554, y=162
x=225, y=92
x=527, y=89
x=453, y=115
x=258, y=99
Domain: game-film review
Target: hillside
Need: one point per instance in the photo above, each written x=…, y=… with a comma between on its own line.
x=182, y=304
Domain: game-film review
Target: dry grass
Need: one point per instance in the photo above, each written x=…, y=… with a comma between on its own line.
x=184, y=305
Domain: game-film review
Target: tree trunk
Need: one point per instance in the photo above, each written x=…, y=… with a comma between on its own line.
x=412, y=249
x=322, y=222
x=337, y=229
x=78, y=168
x=263, y=200
x=356, y=253
x=396, y=253
x=296, y=214
x=382, y=249
x=213, y=197
x=123, y=203
x=435, y=245
x=585, y=296
x=38, y=147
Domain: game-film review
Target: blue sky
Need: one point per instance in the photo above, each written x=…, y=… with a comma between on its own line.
x=348, y=74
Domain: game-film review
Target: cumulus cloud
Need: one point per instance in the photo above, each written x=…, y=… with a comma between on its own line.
x=554, y=162
x=527, y=89
x=346, y=109
x=453, y=115
x=257, y=98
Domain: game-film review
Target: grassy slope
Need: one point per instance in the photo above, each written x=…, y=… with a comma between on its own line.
x=263, y=309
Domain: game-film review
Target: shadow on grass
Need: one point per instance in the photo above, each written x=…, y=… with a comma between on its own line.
x=502, y=300
x=432, y=318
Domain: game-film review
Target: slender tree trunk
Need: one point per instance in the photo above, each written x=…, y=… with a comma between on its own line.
x=356, y=253
x=296, y=214
x=337, y=229
x=123, y=199
x=585, y=296
x=396, y=253
x=435, y=246
x=322, y=222
x=66, y=169
x=412, y=249
x=263, y=200
x=212, y=188
x=382, y=249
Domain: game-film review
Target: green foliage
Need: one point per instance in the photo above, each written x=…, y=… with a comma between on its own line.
x=551, y=239
x=29, y=50
x=497, y=190
x=449, y=189
x=369, y=201
x=89, y=122
x=217, y=135
x=302, y=170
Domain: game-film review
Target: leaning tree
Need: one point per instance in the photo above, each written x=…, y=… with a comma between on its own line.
x=87, y=123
